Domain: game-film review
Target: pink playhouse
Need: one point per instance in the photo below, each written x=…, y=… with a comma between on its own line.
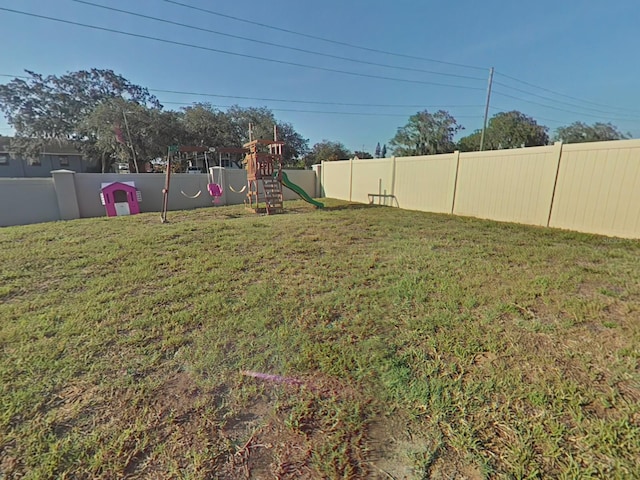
x=120, y=198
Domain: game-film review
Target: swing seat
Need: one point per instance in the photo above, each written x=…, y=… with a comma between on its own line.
x=215, y=190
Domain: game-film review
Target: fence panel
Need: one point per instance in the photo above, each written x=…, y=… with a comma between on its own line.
x=426, y=183
x=375, y=177
x=235, y=183
x=305, y=179
x=182, y=187
x=507, y=185
x=336, y=179
x=598, y=189
x=27, y=200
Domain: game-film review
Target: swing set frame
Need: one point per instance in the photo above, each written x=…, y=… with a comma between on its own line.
x=172, y=150
x=214, y=188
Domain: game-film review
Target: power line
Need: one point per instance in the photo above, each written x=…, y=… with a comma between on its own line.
x=565, y=95
x=225, y=52
x=366, y=114
x=502, y=109
x=314, y=102
x=266, y=99
x=12, y=76
x=328, y=40
x=288, y=47
x=283, y=100
x=563, y=109
x=557, y=101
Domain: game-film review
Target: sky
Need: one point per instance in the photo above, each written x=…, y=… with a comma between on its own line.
x=556, y=61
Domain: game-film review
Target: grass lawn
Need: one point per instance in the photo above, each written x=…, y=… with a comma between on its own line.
x=405, y=344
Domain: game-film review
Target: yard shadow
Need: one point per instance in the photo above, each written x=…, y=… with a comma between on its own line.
x=350, y=206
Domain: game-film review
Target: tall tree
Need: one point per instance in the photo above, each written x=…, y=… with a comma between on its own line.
x=470, y=143
x=377, y=151
x=362, y=155
x=145, y=135
x=383, y=153
x=579, y=132
x=296, y=146
x=426, y=134
x=263, y=121
x=507, y=130
x=514, y=130
x=43, y=108
x=327, y=151
x=204, y=125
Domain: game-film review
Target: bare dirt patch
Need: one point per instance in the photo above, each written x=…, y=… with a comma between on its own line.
x=292, y=429
x=391, y=446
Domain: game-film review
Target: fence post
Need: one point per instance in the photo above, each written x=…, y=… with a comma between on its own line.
x=65, y=187
x=350, y=177
x=393, y=180
x=317, y=169
x=455, y=182
x=557, y=146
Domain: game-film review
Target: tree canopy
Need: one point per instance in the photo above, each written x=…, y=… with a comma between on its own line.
x=263, y=120
x=204, y=125
x=43, y=108
x=89, y=107
x=327, y=151
x=92, y=109
x=362, y=155
x=426, y=134
x=118, y=128
x=505, y=130
x=579, y=132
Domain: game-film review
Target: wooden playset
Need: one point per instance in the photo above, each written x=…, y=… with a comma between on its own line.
x=265, y=178
x=264, y=175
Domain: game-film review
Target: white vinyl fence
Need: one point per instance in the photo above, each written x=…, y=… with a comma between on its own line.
x=589, y=187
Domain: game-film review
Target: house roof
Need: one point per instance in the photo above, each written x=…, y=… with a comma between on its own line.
x=108, y=186
x=231, y=150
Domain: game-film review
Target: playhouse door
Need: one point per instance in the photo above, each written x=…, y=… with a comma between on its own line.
x=122, y=208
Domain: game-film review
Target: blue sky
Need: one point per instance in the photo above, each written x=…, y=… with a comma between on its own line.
x=585, y=50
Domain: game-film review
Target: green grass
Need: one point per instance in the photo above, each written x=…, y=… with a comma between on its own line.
x=423, y=346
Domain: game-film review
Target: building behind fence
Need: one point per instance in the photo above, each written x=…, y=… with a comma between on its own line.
x=55, y=156
x=67, y=195
x=587, y=187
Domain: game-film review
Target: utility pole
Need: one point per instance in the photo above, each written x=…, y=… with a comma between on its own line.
x=486, y=108
x=133, y=151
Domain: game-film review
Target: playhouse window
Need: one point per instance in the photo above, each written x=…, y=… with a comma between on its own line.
x=4, y=159
x=64, y=161
x=120, y=196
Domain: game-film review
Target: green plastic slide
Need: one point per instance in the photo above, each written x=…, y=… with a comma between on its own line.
x=292, y=186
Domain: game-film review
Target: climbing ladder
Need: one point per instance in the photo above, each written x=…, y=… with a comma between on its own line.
x=272, y=189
